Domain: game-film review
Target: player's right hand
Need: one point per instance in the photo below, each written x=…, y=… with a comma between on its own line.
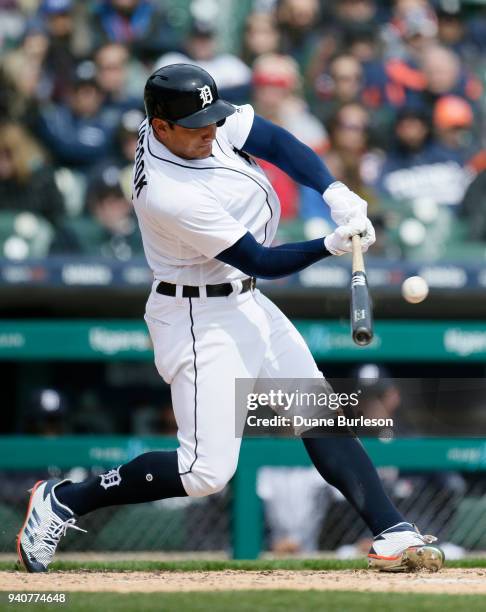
x=339, y=242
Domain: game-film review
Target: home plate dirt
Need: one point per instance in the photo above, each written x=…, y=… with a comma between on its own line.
x=447, y=581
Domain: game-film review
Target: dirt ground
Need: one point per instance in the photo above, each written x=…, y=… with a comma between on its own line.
x=467, y=581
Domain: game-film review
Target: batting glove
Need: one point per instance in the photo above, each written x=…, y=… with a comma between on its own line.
x=339, y=242
x=344, y=203
x=368, y=237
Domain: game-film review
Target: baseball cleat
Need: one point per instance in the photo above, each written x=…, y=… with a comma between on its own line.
x=46, y=521
x=402, y=548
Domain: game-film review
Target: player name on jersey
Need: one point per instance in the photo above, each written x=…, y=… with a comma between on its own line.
x=139, y=177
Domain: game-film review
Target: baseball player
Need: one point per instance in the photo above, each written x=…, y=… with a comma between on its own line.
x=208, y=216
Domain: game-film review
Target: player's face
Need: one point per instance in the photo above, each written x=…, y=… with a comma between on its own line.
x=183, y=142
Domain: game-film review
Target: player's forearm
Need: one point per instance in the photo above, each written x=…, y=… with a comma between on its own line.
x=272, y=262
x=279, y=147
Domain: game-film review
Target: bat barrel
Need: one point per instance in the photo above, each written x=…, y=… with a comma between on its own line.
x=361, y=318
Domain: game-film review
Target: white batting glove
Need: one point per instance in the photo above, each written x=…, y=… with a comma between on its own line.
x=368, y=237
x=344, y=203
x=339, y=242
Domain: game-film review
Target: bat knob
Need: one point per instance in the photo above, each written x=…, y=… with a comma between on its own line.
x=362, y=336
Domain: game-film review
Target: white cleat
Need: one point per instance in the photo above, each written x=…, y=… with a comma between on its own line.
x=46, y=521
x=402, y=548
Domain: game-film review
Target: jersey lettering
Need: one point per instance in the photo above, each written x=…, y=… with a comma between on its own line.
x=140, y=178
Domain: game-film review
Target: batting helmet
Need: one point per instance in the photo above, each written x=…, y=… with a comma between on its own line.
x=185, y=95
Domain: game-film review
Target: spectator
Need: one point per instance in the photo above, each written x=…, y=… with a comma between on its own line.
x=451, y=24
x=109, y=228
x=355, y=73
x=296, y=21
x=80, y=133
x=473, y=208
x=418, y=167
x=436, y=72
x=23, y=76
x=232, y=75
x=120, y=77
x=113, y=212
x=66, y=45
x=350, y=13
x=349, y=16
x=124, y=151
x=140, y=24
x=453, y=121
x=349, y=157
x=275, y=97
x=467, y=37
x=411, y=29
x=12, y=24
x=445, y=75
x=342, y=84
x=351, y=160
x=26, y=181
x=261, y=36
x=362, y=43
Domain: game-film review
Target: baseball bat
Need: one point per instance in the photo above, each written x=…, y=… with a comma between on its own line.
x=361, y=311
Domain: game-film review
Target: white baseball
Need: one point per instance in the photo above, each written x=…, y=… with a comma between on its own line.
x=415, y=289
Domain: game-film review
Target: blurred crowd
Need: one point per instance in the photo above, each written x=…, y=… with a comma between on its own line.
x=391, y=94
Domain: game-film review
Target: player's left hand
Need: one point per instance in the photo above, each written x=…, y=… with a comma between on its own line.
x=344, y=203
x=339, y=242
x=368, y=237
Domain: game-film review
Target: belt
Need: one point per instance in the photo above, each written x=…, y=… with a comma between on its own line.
x=221, y=290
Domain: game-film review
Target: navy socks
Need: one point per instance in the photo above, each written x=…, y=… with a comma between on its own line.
x=151, y=476
x=341, y=461
x=344, y=464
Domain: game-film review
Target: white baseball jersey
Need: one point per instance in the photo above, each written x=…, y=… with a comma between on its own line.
x=189, y=211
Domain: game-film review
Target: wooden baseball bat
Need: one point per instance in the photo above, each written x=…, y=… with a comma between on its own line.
x=361, y=310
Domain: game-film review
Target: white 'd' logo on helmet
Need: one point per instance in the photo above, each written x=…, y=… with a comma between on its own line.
x=205, y=95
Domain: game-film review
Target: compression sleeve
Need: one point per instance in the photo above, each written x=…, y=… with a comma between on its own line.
x=272, y=262
x=279, y=147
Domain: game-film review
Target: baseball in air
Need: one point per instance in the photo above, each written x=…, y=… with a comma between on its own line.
x=415, y=289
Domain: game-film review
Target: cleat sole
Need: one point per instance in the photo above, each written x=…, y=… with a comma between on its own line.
x=415, y=558
x=430, y=558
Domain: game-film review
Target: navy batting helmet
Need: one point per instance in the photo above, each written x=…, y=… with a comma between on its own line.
x=185, y=95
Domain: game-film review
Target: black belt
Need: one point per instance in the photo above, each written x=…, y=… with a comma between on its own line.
x=221, y=290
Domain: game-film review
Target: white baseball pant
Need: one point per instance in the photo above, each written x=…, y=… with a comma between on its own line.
x=201, y=345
